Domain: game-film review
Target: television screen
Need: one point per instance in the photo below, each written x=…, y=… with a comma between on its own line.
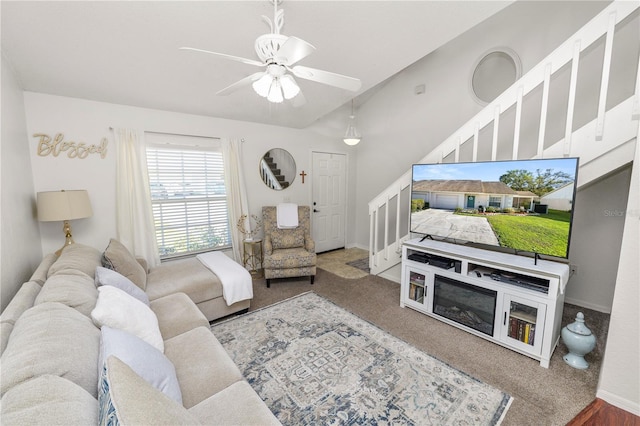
x=524, y=205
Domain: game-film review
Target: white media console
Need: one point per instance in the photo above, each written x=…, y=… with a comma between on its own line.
x=511, y=300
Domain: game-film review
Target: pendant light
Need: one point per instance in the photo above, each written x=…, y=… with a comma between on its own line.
x=352, y=136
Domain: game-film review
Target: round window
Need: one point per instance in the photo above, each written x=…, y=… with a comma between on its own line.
x=494, y=72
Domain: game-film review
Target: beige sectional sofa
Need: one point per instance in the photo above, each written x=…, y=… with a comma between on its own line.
x=187, y=275
x=59, y=367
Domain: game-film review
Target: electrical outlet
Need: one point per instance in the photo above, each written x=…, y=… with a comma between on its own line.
x=573, y=269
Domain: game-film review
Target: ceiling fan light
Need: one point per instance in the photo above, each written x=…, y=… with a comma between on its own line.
x=263, y=84
x=289, y=86
x=275, y=92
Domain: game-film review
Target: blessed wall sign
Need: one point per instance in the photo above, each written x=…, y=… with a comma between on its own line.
x=57, y=145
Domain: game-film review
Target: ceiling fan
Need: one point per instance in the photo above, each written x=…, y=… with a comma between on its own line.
x=278, y=53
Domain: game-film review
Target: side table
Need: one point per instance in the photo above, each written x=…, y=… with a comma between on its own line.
x=252, y=257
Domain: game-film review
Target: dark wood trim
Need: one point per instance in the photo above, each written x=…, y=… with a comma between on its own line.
x=600, y=413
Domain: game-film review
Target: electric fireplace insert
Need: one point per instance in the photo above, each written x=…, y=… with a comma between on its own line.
x=472, y=306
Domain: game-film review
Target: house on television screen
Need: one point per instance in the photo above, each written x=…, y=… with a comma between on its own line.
x=470, y=194
x=560, y=198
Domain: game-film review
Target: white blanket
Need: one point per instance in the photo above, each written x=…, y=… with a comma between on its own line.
x=236, y=281
x=287, y=214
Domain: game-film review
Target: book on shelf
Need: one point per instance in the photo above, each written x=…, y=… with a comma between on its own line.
x=521, y=330
x=412, y=291
x=416, y=292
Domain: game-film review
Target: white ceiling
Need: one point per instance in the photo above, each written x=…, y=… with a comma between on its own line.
x=126, y=52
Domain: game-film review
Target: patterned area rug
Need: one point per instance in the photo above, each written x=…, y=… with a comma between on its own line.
x=312, y=362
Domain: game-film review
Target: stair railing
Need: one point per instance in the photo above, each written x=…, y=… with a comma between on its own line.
x=268, y=177
x=385, y=248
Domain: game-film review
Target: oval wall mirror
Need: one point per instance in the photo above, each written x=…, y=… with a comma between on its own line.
x=493, y=73
x=277, y=169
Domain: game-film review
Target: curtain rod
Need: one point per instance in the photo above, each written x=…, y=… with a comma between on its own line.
x=181, y=134
x=176, y=134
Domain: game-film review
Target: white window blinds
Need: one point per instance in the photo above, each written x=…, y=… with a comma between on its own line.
x=186, y=176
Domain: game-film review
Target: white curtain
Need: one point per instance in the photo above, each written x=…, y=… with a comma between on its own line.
x=236, y=192
x=134, y=216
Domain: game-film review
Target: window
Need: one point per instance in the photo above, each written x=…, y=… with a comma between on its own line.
x=495, y=201
x=188, y=197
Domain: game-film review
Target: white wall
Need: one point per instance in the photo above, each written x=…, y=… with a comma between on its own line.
x=598, y=224
x=20, y=247
x=89, y=122
x=620, y=372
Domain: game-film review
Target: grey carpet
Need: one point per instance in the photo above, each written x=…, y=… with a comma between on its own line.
x=541, y=396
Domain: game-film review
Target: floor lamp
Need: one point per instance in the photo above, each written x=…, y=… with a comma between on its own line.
x=63, y=206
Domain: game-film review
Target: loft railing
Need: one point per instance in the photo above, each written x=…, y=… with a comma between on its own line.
x=389, y=211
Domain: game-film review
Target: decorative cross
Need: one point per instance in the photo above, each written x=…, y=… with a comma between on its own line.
x=303, y=174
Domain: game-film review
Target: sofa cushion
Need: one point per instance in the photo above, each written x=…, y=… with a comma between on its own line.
x=117, y=257
x=49, y=400
x=148, y=362
x=5, y=331
x=177, y=314
x=76, y=257
x=202, y=365
x=125, y=398
x=188, y=276
x=23, y=300
x=52, y=338
x=41, y=272
x=74, y=289
x=106, y=276
x=117, y=309
x=287, y=238
x=215, y=409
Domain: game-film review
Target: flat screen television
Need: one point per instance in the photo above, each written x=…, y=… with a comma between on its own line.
x=519, y=206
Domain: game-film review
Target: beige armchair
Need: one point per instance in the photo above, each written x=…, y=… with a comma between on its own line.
x=288, y=252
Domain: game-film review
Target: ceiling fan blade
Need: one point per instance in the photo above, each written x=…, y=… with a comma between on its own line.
x=293, y=50
x=225, y=56
x=326, y=77
x=241, y=83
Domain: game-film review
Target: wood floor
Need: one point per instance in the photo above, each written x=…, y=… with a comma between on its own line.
x=600, y=413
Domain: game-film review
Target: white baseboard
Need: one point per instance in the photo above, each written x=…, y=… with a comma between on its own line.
x=630, y=406
x=390, y=277
x=588, y=305
x=360, y=246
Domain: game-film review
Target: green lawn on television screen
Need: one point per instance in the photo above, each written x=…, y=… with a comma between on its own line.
x=545, y=233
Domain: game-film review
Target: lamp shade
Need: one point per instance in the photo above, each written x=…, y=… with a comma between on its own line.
x=352, y=136
x=63, y=205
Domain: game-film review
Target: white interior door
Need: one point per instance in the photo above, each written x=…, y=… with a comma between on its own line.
x=329, y=200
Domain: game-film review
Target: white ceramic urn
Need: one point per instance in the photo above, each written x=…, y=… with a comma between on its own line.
x=579, y=340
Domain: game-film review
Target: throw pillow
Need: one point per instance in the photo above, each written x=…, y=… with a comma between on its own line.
x=118, y=258
x=287, y=238
x=105, y=276
x=147, y=362
x=116, y=309
x=126, y=398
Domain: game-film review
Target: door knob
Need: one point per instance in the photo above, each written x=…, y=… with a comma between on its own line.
x=316, y=211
